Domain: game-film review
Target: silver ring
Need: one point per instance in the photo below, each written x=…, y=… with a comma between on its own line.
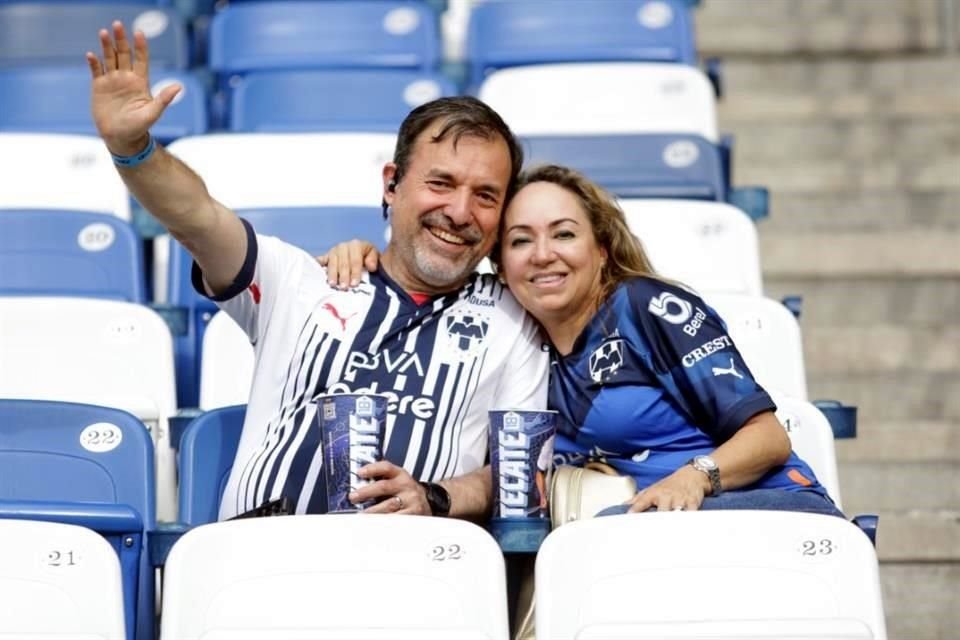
x=399, y=502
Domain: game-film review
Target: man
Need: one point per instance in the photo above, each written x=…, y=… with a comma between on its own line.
x=444, y=344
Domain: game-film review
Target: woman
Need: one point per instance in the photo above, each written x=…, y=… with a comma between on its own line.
x=644, y=374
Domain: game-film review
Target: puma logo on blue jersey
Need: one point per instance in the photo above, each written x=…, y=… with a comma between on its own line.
x=732, y=371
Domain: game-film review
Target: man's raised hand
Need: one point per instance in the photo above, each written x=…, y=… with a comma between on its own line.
x=123, y=109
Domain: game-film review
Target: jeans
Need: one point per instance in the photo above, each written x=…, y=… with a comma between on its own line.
x=760, y=499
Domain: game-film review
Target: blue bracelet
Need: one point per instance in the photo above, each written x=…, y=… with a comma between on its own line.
x=134, y=160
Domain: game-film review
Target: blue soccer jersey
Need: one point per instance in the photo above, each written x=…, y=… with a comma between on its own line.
x=653, y=380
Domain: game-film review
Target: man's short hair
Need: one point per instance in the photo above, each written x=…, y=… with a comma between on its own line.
x=461, y=116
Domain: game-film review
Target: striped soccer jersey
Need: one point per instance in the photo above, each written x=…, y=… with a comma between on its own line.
x=443, y=364
x=653, y=380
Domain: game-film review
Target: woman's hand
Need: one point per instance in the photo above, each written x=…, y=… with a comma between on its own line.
x=758, y=446
x=682, y=490
x=347, y=261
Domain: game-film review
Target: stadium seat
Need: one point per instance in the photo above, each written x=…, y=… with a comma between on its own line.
x=325, y=100
x=58, y=33
x=226, y=364
x=57, y=99
x=207, y=451
x=768, y=337
x=603, y=99
x=255, y=36
x=104, y=352
x=313, y=229
x=141, y=3
x=507, y=34
x=82, y=465
x=812, y=439
x=59, y=580
x=637, y=165
x=710, y=246
x=311, y=577
x=260, y=170
x=79, y=166
x=250, y=170
x=709, y=574
x=70, y=253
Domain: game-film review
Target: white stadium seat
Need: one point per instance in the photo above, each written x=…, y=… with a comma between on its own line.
x=251, y=170
x=709, y=246
x=812, y=440
x=94, y=351
x=58, y=581
x=60, y=171
x=709, y=574
x=603, y=98
x=768, y=336
x=226, y=365
x=336, y=576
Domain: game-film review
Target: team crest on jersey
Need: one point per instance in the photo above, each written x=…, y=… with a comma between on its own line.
x=606, y=360
x=466, y=331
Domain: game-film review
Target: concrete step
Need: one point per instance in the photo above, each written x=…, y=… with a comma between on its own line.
x=841, y=254
x=904, y=440
x=881, y=348
x=897, y=396
x=886, y=210
x=784, y=27
x=864, y=301
x=920, y=600
x=873, y=487
x=912, y=536
x=868, y=141
x=797, y=85
x=824, y=174
x=741, y=107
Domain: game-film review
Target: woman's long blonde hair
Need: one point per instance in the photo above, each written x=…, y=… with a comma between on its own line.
x=626, y=257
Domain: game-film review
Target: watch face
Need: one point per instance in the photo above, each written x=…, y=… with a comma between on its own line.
x=705, y=462
x=438, y=498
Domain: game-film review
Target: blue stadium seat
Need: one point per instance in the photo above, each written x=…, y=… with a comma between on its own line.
x=70, y=253
x=522, y=32
x=207, y=451
x=155, y=3
x=314, y=229
x=57, y=99
x=336, y=34
x=58, y=33
x=339, y=100
x=639, y=165
x=89, y=466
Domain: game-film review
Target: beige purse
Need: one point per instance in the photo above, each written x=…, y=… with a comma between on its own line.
x=575, y=493
x=582, y=492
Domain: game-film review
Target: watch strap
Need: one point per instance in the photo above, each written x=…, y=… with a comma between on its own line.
x=438, y=498
x=713, y=475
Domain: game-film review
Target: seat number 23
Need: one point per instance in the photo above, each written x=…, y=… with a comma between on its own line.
x=822, y=547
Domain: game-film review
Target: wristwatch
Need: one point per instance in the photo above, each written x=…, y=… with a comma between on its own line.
x=438, y=498
x=709, y=466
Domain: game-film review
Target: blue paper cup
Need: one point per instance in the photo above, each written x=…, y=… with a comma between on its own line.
x=352, y=429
